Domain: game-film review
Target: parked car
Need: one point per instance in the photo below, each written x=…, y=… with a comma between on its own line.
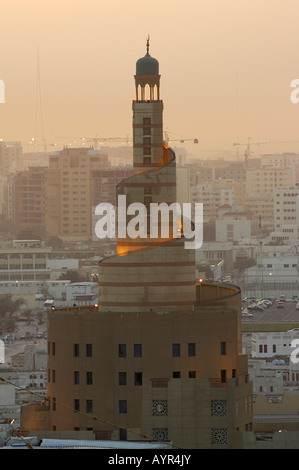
x=258, y=307
x=280, y=305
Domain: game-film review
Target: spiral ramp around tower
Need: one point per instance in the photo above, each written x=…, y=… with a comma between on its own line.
x=149, y=274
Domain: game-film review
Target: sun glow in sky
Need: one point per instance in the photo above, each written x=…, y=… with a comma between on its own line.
x=226, y=68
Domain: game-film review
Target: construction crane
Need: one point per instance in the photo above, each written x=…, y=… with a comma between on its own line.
x=247, y=152
x=97, y=140
x=182, y=140
x=127, y=140
x=34, y=144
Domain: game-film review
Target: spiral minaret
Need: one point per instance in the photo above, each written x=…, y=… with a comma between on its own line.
x=149, y=273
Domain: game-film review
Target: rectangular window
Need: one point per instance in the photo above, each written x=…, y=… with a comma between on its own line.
x=176, y=350
x=76, y=377
x=88, y=378
x=76, y=404
x=122, y=378
x=176, y=375
x=89, y=350
x=147, y=120
x=274, y=348
x=223, y=376
x=138, y=378
x=122, y=404
x=53, y=349
x=89, y=406
x=53, y=376
x=122, y=350
x=137, y=350
x=122, y=434
x=223, y=348
x=76, y=350
x=191, y=349
x=192, y=374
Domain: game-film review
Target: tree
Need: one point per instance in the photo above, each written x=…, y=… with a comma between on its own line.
x=8, y=306
x=73, y=276
x=54, y=242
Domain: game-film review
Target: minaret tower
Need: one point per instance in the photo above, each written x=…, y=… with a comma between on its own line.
x=147, y=115
x=149, y=271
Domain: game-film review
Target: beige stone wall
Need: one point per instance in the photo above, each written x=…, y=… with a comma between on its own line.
x=34, y=417
x=188, y=399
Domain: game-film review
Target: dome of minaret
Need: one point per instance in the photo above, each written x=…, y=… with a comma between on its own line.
x=147, y=65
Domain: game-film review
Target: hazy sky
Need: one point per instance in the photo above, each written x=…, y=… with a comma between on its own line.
x=226, y=68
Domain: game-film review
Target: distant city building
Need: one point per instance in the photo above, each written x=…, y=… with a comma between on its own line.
x=28, y=202
x=104, y=182
x=68, y=192
x=275, y=273
x=262, y=210
x=286, y=207
x=212, y=199
x=283, y=160
x=276, y=344
x=10, y=156
x=260, y=183
x=233, y=226
x=31, y=260
x=235, y=171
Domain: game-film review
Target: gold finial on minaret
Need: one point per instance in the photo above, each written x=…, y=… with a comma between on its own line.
x=147, y=45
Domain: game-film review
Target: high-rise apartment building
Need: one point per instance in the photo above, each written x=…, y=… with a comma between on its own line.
x=261, y=182
x=160, y=357
x=279, y=160
x=286, y=208
x=68, y=192
x=10, y=156
x=28, y=202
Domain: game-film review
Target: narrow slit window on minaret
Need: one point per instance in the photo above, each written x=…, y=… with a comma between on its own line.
x=147, y=131
x=146, y=120
x=146, y=150
x=147, y=160
x=147, y=201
